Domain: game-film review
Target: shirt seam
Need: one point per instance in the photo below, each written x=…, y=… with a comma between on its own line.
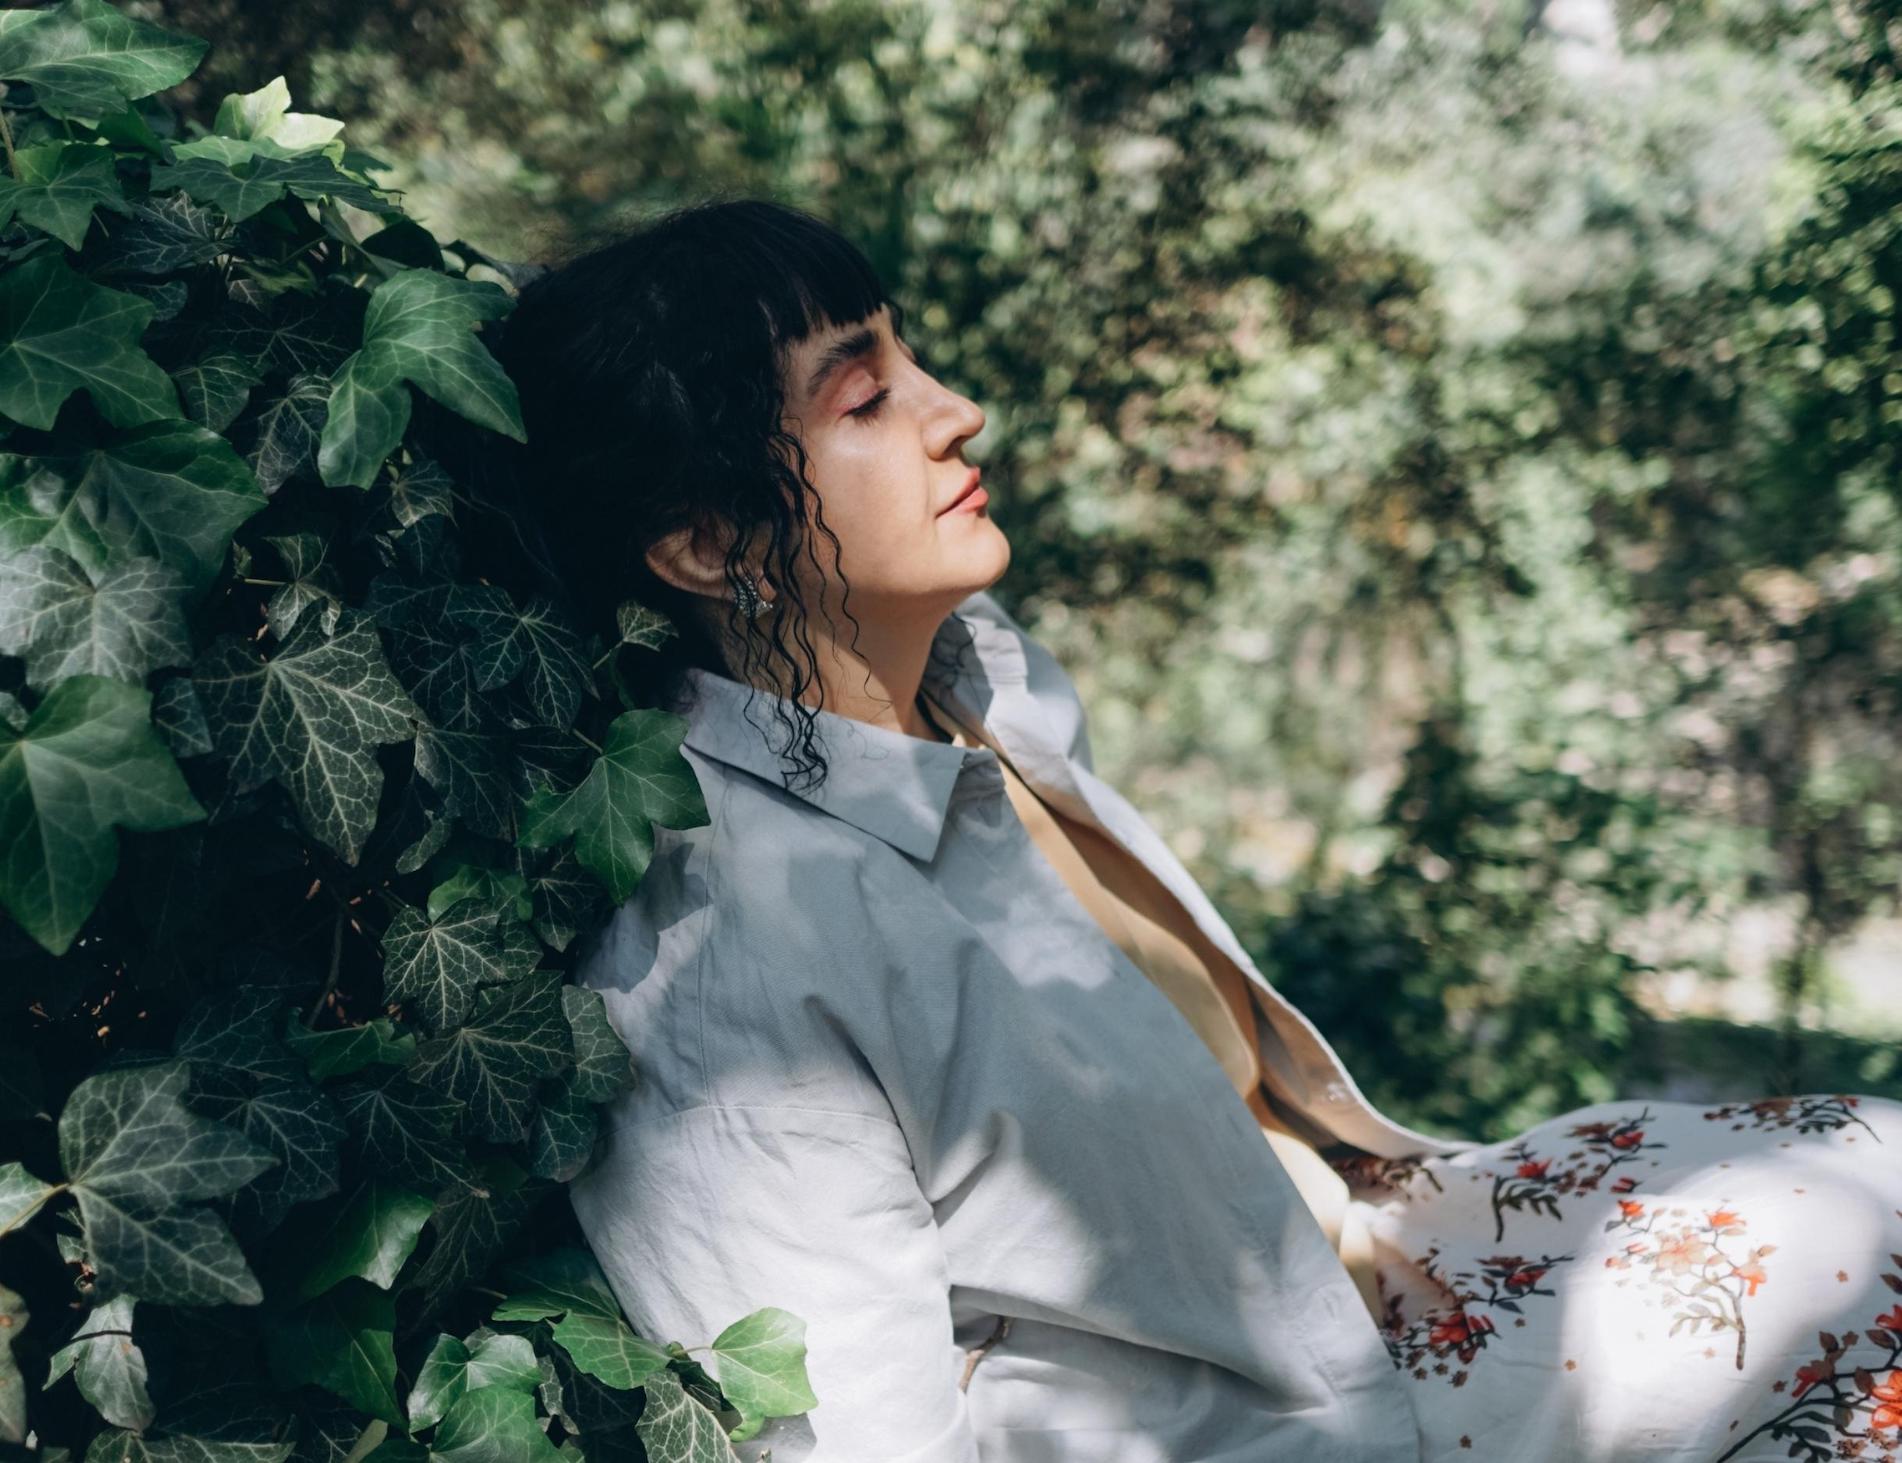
x=766, y=1107
x=708, y=875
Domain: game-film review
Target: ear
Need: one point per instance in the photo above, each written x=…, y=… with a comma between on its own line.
x=691, y=559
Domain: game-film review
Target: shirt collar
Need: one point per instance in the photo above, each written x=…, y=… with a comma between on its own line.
x=893, y=786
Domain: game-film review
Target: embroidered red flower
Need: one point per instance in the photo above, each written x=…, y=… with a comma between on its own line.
x=1630, y=1208
x=1888, y=1399
x=1810, y=1374
x=1459, y=1329
x=1527, y=1278
x=1892, y=1321
x=1723, y=1219
x=1534, y=1170
x=1628, y=1140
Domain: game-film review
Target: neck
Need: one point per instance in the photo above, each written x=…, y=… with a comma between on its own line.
x=878, y=680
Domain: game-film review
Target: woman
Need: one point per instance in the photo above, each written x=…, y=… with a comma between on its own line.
x=945, y=1052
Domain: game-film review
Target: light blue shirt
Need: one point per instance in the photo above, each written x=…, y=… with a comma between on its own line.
x=899, y=1082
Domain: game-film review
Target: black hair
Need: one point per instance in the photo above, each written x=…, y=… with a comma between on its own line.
x=651, y=371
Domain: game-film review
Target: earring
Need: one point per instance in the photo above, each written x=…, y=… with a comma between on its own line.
x=748, y=598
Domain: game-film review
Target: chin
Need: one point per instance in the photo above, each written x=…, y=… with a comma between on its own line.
x=1002, y=559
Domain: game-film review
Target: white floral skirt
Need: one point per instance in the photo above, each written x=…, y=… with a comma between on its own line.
x=1651, y=1280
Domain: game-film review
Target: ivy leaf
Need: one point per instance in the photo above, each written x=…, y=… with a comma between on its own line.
x=368, y=1238
x=562, y=1282
x=127, y=1133
x=292, y=1119
x=265, y=115
x=309, y=717
x=86, y=761
x=762, y=1368
x=433, y=664
x=402, y=1130
x=436, y=966
x=604, y=1067
x=114, y=1446
x=59, y=186
x=172, y=491
x=13, y=1318
x=566, y=897
x=244, y=180
x=558, y=670
x=295, y=334
x=183, y=1257
x=561, y=1136
x=109, y=1370
x=350, y=1049
x=509, y=891
x=180, y=718
x=608, y=1350
x=471, y=1226
x=121, y=626
x=343, y=1342
x=133, y=1154
x=287, y=429
x=21, y=1196
x=492, y=1066
x=420, y=490
x=237, y=1029
x=467, y=768
x=493, y=1425
x=676, y=1429
x=440, y=1381
x=452, y=1369
x=420, y=329
x=330, y=1431
x=61, y=333
x=313, y=582
x=215, y=389
x=502, y=643
x=164, y=234
x=639, y=780
x=499, y=1359
x=643, y=628
x=85, y=60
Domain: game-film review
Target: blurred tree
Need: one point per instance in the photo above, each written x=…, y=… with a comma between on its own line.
x=1453, y=442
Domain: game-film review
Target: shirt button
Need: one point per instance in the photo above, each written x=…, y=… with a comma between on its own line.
x=1337, y=1092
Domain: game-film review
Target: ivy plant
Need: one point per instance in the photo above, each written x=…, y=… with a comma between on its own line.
x=300, y=825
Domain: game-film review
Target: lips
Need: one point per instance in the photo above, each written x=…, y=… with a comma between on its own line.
x=970, y=486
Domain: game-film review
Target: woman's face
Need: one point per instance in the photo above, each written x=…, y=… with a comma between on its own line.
x=884, y=442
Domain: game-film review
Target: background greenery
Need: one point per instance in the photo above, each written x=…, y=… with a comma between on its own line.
x=1452, y=443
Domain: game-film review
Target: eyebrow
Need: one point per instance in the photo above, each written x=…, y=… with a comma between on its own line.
x=856, y=346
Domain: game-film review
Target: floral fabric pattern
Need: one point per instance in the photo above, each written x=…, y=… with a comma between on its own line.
x=1651, y=1280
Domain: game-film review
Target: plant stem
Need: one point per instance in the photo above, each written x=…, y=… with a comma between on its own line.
x=6, y=136
x=336, y=965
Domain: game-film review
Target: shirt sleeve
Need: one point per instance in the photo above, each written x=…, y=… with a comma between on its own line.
x=707, y=1214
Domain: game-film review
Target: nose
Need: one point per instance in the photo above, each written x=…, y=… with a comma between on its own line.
x=956, y=420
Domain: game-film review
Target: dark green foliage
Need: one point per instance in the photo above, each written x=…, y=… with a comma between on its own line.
x=300, y=824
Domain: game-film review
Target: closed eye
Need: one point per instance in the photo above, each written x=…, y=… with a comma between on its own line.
x=871, y=406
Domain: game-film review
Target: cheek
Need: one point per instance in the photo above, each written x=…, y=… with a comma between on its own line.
x=873, y=498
